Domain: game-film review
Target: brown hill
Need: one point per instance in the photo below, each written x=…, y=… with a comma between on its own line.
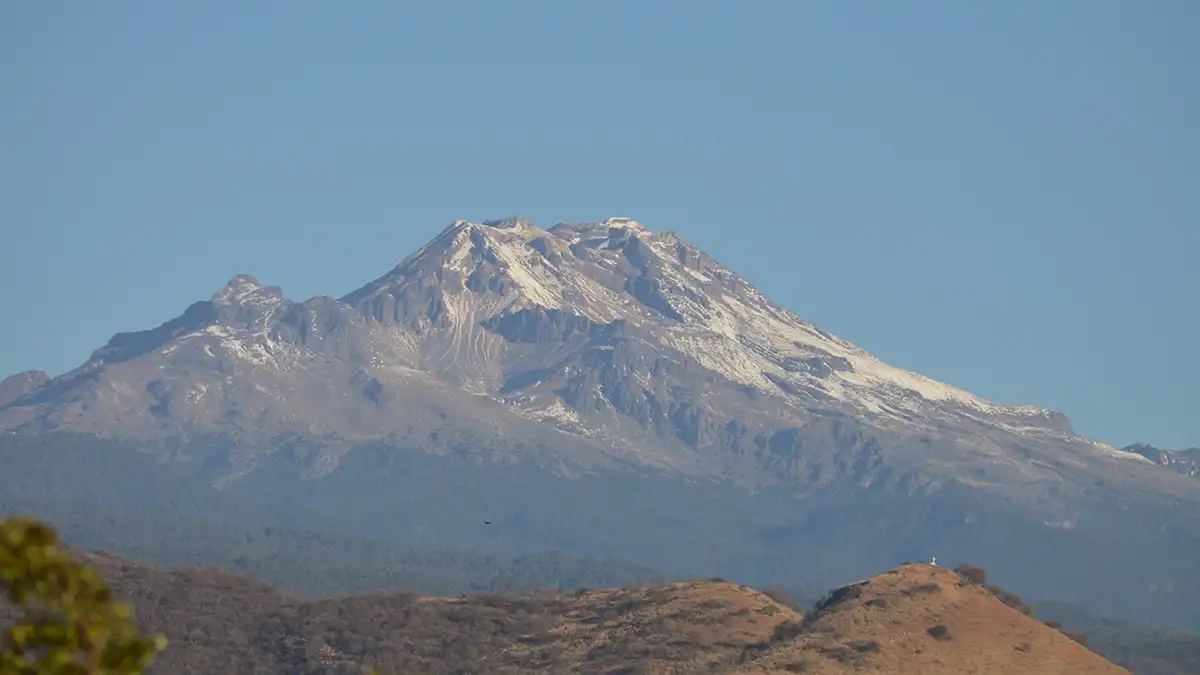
x=888, y=624
x=924, y=619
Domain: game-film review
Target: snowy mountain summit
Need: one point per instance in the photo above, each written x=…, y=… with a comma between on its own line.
x=482, y=289
x=601, y=342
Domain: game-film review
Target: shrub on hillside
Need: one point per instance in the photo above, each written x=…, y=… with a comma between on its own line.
x=940, y=632
x=972, y=574
x=1078, y=637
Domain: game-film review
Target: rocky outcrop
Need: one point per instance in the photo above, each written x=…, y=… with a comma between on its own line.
x=15, y=386
x=1186, y=462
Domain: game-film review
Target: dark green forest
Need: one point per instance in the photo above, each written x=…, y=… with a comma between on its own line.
x=447, y=527
x=411, y=501
x=316, y=565
x=1142, y=650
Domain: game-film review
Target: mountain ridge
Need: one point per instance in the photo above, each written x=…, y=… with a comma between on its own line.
x=1186, y=462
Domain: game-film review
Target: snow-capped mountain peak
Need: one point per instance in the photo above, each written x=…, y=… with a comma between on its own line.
x=605, y=330
x=668, y=293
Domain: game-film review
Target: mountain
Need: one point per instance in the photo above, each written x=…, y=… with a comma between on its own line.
x=609, y=390
x=619, y=342
x=913, y=619
x=1186, y=462
x=16, y=386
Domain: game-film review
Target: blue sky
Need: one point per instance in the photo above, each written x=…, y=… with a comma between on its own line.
x=1001, y=195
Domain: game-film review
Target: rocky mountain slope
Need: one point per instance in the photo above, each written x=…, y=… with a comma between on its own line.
x=914, y=619
x=16, y=386
x=1186, y=462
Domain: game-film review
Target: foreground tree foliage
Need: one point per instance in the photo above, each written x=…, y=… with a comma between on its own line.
x=69, y=622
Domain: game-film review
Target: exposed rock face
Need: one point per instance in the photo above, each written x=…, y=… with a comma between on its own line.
x=16, y=386
x=602, y=342
x=608, y=349
x=1186, y=462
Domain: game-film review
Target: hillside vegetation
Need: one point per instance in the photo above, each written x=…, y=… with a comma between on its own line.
x=914, y=619
x=101, y=493
x=316, y=564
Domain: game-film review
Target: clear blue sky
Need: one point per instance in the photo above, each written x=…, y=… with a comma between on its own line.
x=1001, y=195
